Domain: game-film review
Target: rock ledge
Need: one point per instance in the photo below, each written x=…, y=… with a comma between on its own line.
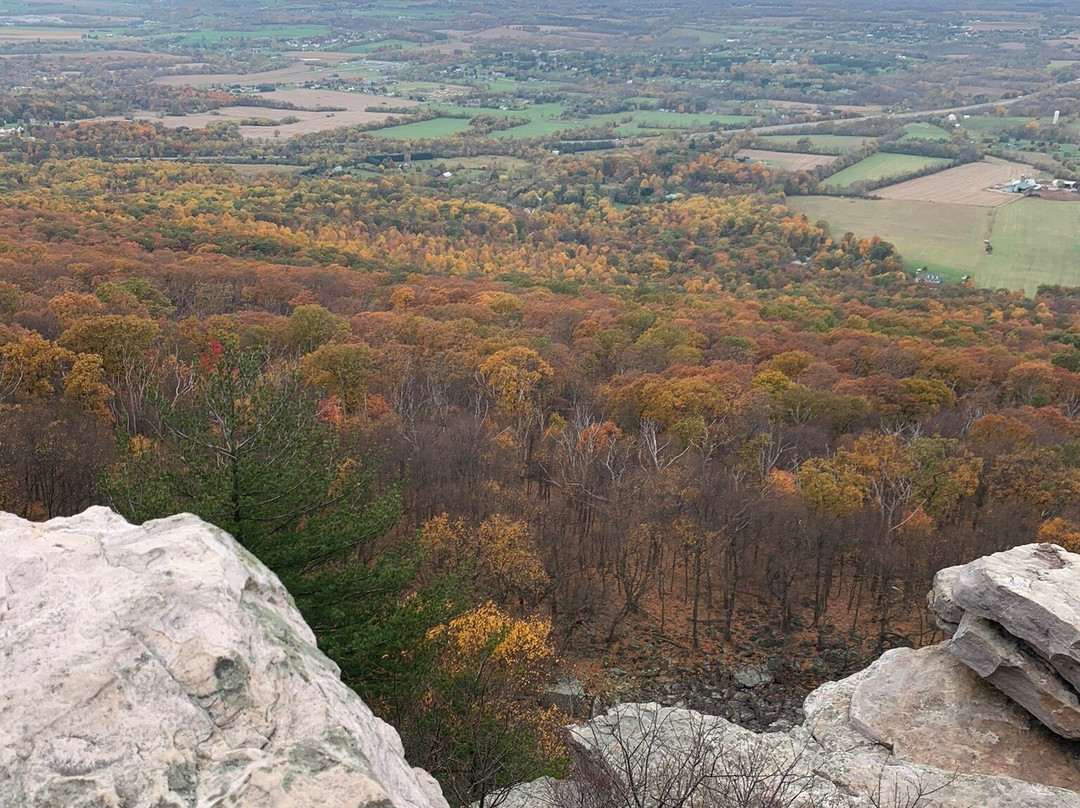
x=1015, y=620
x=163, y=666
x=988, y=718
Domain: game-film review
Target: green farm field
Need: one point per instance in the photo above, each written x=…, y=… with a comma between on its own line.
x=399, y=10
x=702, y=35
x=983, y=124
x=270, y=32
x=924, y=131
x=821, y=144
x=647, y=119
x=881, y=166
x=1035, y=241
x=435, y=128
x=544, y=123
x=546, y=120
x=542, y=120
x=368, y=47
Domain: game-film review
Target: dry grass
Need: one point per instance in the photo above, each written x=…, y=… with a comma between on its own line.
x=297, y=72
x=792, y=161
x=248, y=170
x=102, y=55
x=17, y=34
x=355, y=112
x=991, y=25
x=550, y=35
x=308, y=66
x=802, y=106
x=964, y=185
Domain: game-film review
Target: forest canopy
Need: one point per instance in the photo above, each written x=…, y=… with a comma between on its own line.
x=489, y=434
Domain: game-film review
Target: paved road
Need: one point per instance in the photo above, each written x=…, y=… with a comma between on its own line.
x=904, y=116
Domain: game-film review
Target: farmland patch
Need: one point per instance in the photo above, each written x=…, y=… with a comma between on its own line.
x=882, y=166
x=965, y=185
x=793, y=161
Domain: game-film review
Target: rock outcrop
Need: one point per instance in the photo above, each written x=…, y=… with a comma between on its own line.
x=1015, y=620
x=930, y=710
x=984, y=719
x=163, y=666
x=915, y=728
x=914, y=722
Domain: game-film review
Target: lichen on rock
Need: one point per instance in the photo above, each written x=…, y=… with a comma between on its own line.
x=164, y=666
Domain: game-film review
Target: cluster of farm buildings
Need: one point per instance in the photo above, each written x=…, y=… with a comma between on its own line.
x=1026, y=185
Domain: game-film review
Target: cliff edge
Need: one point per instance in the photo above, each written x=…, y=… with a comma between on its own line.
x=989, y=718
x=164, y=666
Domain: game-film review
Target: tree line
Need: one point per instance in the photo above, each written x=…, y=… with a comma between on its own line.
x=479, y=440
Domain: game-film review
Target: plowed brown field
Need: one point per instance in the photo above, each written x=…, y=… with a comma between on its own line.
x=964, y=185
x=793, y=161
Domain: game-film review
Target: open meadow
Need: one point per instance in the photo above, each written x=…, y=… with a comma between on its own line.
x=801, y=107
x=351, y=108
x=991, y=124
x=659, y=119
x=792, y=161
x=14, y=33
x=946, y=238
x=305, y=68
x=924, y=131
x=214, y=36
x=881, y=166
x=820, y=144
x=968, y=184
x=1035, y=241
x=435, y=128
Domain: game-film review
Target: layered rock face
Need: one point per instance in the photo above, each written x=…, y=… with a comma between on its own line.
x=1015, y=620
x=163, y=666
x=987, y=718
x=916, y=728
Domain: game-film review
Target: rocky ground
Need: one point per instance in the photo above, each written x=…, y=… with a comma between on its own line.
x=760, y=685
x=987, y=718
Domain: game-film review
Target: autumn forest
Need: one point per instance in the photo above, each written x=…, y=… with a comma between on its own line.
x=694, y=420
x=500, y=411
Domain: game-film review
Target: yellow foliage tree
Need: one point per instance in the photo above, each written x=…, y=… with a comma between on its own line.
x=488, y=642
x=831, y=485
x=509, y=554
x=771, y=382
x=483, y=703
x=341, y=370
x=70, y=306
x=506, y=563
x=85, y=385
x=515, y=377
x=32, y=364
x=1061, y=531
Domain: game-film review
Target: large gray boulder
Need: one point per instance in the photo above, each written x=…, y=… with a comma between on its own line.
x=163, y=666
x=1015, y=619
x=983, y=720
x=1027, y=678
x=916, y=728
x=930, y=709
x=914, y=722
